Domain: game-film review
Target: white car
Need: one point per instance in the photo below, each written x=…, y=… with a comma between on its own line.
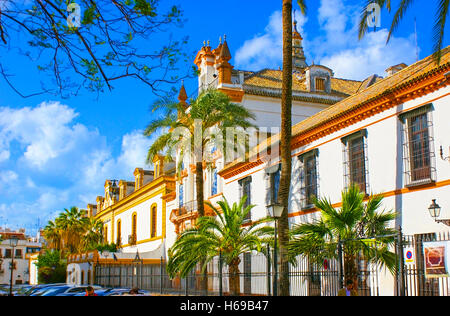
x=65, y=290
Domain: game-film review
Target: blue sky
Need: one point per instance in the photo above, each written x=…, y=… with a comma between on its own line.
x=56, y=153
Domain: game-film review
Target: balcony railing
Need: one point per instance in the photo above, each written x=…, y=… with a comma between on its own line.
x=132, y=240
x=187, y=208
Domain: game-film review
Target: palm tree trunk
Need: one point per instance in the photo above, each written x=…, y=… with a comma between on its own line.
x=234, y=280
x=351, y=267
x=199, y=187
x=201, y=213
x=285, y=142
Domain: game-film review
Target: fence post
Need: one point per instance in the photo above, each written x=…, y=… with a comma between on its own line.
x=141, y=275
x=268, y=270
x=120, y=275
x=109, y=275
x=341, y=266
x=220, y=274
x=161, y=276
x=401, y=267
x=205, y=278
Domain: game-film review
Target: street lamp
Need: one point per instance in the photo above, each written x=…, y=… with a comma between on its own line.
x=435, y=212
x=275, y=211
x=13, y=241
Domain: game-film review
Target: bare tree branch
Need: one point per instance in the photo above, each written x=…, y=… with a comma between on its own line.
x=110, y=44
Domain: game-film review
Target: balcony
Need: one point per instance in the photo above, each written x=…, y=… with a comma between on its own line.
x=187, y=208
x=132, y=240
x=187, y=215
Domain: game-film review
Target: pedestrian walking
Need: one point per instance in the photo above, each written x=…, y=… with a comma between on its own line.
x=348, y=290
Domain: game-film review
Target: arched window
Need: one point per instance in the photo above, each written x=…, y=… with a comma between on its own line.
x=153, y=226
x=105, y=236
x=89, y=277
x=134, y=226
x=119, y=233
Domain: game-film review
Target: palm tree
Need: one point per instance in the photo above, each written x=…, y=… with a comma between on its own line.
x=92, y=235
x=222, y=235
x=285, y=142
x=190, y=132
x=71, y=223
x=359, y=227
x=73, y=232
x=438, y=28
x=52, y=235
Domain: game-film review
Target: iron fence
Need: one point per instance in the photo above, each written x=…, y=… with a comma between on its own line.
x=416, y=280
x=307, y=277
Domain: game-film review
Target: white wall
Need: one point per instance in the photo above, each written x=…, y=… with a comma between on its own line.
x=385, y=166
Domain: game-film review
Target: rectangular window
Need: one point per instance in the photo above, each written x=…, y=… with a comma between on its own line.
x=214, y=181
x=309, y=178
x=181, y=194
x=18, y=254
x=418, y=146
x=320, y=84
x=275, y=184
x=245, y=186
x=8, y=253
x=355, y=160
x=105, y=229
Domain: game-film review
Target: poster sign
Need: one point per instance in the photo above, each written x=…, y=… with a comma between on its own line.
x=410, y=256
x=436, y=256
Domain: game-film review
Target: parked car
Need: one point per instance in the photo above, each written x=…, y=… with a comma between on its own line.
x=37, y=288
x=53, y=291
x=20, y=290
x=99, y=292
x=125, y=292
x=78, y=290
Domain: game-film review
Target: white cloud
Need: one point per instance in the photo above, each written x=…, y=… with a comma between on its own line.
x=134, y=151
x=44, y=131
x=350, y=58
x=58, y=163
x=371, y=57
x=265, y=50
x=8, y=176
x=335, y=44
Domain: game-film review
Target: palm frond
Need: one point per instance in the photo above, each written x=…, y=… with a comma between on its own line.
x=439, y=29
x=402, y=9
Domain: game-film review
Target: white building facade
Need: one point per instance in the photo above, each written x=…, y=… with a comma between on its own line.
x=386, y=138
x=384, y=134
x=26, y=247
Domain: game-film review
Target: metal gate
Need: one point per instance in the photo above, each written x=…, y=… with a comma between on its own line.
x=416, y=281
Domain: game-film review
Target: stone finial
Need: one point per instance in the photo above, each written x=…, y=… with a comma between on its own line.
x=182, y=96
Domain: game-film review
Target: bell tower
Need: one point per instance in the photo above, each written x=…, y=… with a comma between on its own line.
x=298, y=55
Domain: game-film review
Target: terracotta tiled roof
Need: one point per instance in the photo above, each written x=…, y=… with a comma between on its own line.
x=269, y=78
x=403, y=77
